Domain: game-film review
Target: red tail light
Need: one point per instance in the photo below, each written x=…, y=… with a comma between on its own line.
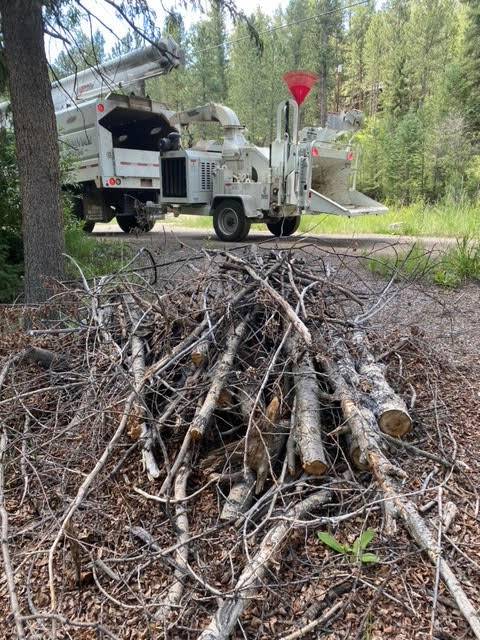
x=349, y=156
x=314, y=152
x=112, y=182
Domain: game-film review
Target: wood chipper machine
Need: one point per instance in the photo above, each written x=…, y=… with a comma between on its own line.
x=303, y=171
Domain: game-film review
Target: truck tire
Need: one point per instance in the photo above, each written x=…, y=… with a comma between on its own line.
x=284, y=227
x=230, y=222
x=77, y=204
x=132, y=223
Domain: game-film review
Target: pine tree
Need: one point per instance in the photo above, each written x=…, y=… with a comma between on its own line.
x=471, y=69
x=356, y=85
x=87, y=51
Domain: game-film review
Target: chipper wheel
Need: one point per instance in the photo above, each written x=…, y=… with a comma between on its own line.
x=134, y=223
x=284, y=227
x=230, y=222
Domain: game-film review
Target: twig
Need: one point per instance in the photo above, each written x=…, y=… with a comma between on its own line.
x=325, y=617
x=82, y=492
x=7, y=563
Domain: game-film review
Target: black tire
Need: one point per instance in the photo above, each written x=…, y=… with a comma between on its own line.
x=284, y=227
x=88, y=225
x=230, y=222
x=132, y=223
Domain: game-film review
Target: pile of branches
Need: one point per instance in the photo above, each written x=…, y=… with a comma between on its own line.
x=253, y=381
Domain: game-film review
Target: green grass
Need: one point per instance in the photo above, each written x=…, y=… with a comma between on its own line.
x=443, y=220
x=451, y=268
x=95, y=257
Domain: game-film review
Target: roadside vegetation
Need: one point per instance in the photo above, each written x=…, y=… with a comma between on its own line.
x=450, y=268
x=447, y=219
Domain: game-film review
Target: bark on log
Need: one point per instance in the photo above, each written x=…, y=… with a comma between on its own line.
x=355, y=453
x=389, y=408
x=199, y=354
x=307, y=425
x=203, y=417
x=137, y=349
x=362, y=425
x=181, y=555
x=229, y=611
x=47, y=359
x=239, y=499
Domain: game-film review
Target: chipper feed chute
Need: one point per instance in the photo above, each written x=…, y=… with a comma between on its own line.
x=331, y=190
x=330, y=164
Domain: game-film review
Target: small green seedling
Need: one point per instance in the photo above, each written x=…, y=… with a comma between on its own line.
x=357, y=551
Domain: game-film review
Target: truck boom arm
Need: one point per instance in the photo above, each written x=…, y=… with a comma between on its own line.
x=114, y=75
x=124, y=71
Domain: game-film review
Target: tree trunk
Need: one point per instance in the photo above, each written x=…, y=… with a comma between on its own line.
x=36, y=143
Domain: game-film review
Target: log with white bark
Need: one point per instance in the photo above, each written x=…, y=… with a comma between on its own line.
x=389, y=408
x=181, y=555
x=307, y=425
x=137, y=355
x=7, y=563
x=232, y=607
x=239, y=498
x=224, y=365
x=199, y=354
x=363, y=431
x=355, y=454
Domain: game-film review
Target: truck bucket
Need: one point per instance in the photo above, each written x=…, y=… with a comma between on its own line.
x=331, y=187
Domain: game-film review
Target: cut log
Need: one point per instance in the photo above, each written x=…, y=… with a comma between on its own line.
x=47, y=359
x=364, y=432
x=229, y=611
x=232, y=452
x=355, y=453
x=181, y=555
x=388, y=407
x=239, y=499
x=137, y=349
x=307, y=424
x=199, y=354
x=203, y=417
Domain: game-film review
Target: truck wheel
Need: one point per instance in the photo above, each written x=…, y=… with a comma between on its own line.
x=132, y=223
x=88, y=226
x=230, y=222
x=284, y=227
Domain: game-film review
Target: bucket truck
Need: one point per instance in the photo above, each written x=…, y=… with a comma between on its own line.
x=112, y=132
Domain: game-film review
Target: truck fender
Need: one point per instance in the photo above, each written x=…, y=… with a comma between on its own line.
x=248, y=203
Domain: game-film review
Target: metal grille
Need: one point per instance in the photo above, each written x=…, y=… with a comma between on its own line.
x=206, y=175
x=174, y=178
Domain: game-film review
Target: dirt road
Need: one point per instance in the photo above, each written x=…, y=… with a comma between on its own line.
x=167, y=237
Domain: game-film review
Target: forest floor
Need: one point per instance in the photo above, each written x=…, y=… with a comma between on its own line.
x=429, y=338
